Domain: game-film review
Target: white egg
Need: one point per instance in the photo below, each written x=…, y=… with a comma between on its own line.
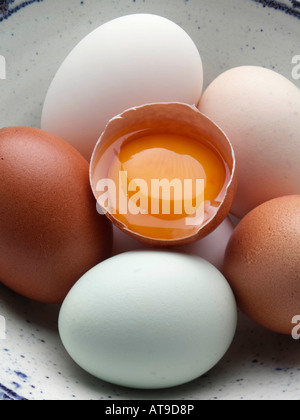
x=130, y=61
x=149, y=319
x=212, y=248
x=259, y=110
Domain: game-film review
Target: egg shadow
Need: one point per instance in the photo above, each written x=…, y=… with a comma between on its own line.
x=20, y=309
x=256, y=344
x=256, y=355
x=257, y=358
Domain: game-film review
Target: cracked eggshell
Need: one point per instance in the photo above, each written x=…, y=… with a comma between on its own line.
x=171, y=118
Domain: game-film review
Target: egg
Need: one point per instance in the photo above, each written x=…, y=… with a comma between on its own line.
x=164, y=173
x=50, y=231
x=149, y=319
x=211, y=248
x=259, y=110
x=262, y=263
x=129, y=61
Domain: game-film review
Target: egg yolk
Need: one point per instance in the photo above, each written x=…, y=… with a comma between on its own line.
x=165, y=184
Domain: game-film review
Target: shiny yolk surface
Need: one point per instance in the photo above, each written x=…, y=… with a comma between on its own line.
x=162, y=180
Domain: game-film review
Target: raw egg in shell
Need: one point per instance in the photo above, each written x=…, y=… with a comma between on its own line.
x=164, y=173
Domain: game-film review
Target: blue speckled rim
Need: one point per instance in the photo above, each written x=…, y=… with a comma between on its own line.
x=9, y=7
x=291, y=7
x=8, y=394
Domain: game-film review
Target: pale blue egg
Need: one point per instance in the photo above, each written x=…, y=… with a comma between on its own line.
x=149, y=319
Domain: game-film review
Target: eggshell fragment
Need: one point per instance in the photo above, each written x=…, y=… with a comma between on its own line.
x=259, y=111
x=178, y=118
x=50, y=231
x=262, y=263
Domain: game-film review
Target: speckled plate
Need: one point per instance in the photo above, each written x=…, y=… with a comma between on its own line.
x=35, y=37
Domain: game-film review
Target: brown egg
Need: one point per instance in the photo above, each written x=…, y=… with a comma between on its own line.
x=164, y=174
x=50, y=231
x=262, y=263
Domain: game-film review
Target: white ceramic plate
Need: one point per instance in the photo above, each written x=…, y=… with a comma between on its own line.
x=35, y=37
